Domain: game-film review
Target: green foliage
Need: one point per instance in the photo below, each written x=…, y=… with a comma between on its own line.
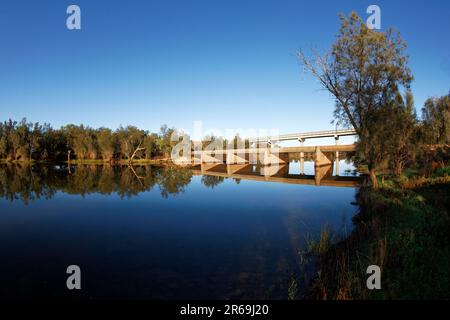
x=405, y=232
x=24, y=141
x=293, y=289
x=389, y=142
x=442, y=172
x=365, y=72
x=107, y=143
x=436, y=120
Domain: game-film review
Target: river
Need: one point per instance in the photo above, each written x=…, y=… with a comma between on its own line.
x=153, y=232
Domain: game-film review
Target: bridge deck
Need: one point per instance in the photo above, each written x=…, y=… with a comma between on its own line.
x=306, y=135
x=327, y=148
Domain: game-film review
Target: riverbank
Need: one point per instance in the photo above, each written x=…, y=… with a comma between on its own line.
x=92, y=162
x=403, y=228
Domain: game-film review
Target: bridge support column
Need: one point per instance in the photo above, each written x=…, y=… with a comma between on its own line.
x=302, y=156
x=337, y=165
x=302, y=165
x=336, y=138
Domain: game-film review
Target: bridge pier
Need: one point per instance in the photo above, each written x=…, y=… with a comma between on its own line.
x=273, y=156
x=336, y=138
x=237, y=157
x=204, y=167
x=241, y=168
x=337, y=170
x=320, y=159
x=211, y=157
x=302, y=156
x=322, y=172
x=272, y=171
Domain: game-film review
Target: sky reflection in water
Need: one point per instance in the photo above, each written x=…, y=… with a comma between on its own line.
x=158, y=233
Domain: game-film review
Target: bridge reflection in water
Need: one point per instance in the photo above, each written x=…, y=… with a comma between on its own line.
x=323, y=175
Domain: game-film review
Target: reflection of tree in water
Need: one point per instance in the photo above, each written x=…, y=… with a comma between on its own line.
x=173, y=180
x=30, y=182
x=211, y=181
x=20, y=182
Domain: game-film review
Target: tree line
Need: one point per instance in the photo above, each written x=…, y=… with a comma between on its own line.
x=27, y=141
x=366, y=72
x=23, y=140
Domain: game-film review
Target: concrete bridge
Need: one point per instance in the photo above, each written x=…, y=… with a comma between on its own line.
x=323, y=155
x=273, y=155
x=272, y=161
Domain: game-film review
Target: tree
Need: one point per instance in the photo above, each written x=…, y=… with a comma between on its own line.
x=390, y=141
x=53, y=143
x=106, y=143
x=34, y=138
x=4, y=149
x=403, y=140
x=130, y=141
x=19, y=140
x=165, y=143
x=364, y=72
x=77, y=140
x=28, y=141
x=151, y=145
x=436, y=120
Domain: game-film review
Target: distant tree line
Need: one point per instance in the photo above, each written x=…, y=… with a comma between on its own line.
x=26, y=141
x=33, y=141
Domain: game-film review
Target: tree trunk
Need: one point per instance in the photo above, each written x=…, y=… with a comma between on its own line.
x=68, y=156
x=398, y=168
x=130, y=160
x=373, y=179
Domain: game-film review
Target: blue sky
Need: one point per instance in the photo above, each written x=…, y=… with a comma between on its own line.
x=230, y=64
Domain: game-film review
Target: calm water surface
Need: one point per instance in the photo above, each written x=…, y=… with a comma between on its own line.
x=152, y=232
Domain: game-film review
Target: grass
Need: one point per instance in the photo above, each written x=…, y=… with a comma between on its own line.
x=404, y=228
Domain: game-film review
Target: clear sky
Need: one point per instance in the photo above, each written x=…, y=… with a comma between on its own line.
x=230, y=64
